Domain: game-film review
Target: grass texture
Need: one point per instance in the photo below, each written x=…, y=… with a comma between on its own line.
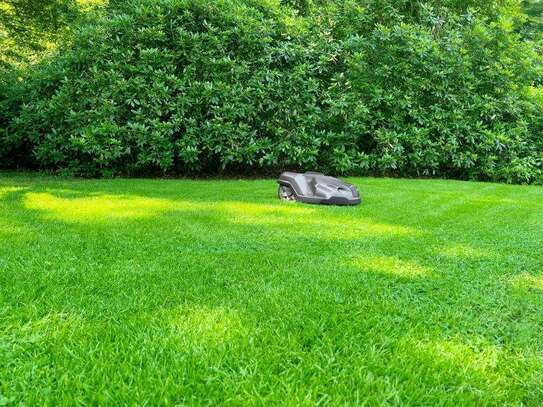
x=160, y=292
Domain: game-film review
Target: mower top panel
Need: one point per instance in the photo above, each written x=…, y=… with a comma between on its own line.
x=317, y=188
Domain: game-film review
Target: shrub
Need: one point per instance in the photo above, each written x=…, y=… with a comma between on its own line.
x=29, y=29
x=177, y=86
x=189, y=86
x=440, y=101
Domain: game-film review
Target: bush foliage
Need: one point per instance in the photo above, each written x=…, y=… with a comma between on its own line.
x=435, y=88
x=31, y=28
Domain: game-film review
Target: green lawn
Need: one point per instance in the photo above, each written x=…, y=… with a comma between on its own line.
x=206, y=292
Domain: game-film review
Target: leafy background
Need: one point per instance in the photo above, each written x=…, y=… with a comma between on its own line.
x=444, y=88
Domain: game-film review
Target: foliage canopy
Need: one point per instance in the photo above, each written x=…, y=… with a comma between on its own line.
x=437, y=88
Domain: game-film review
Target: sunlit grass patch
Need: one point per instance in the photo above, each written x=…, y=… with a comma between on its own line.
x=53, y=326
x=4, y=191
x=9, y=230
x=66, y=205
x=390, y=265
x=203, y=326
x=458, y=356
x=463, y=250
x=96, y=208
x=529, y=281
x=323, y=221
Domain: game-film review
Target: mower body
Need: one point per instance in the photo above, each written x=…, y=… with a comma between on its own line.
x=316, y=188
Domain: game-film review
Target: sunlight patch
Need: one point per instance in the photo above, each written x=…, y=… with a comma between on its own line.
x=6, y=190
x=390, y=266
x=462, y=250
x=204, y=325
x=53, y=325
x=352, y=229
x=11, y=231
x=324, y=223
x=92, y=208
x=72, y=207
x=528, y=281
x=88, y=5
x=454, y=353
x=96, y=208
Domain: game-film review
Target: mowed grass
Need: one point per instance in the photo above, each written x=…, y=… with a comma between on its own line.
x=214, y=292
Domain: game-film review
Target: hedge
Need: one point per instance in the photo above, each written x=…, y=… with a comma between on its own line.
x=205, y=86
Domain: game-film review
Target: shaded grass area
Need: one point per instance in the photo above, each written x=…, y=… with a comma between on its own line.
x=214, y=292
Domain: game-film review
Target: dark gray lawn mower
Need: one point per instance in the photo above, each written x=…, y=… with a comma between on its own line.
x=316, y=188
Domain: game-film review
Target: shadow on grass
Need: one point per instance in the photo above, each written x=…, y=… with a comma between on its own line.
x=394, y=288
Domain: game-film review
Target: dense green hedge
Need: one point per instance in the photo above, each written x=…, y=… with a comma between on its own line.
x=376, y=87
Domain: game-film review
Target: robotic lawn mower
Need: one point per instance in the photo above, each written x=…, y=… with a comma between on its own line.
x=316, y=188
